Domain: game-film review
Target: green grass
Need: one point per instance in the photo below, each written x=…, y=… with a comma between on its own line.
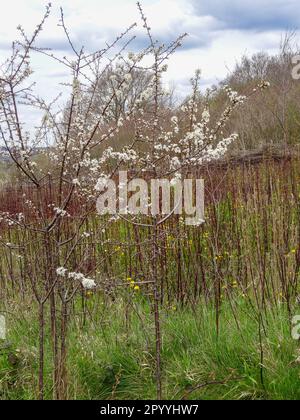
x=113, y=357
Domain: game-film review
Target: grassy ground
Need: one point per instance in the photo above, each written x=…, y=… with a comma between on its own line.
x=112, y=357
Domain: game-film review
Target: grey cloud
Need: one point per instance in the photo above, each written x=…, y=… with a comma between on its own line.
x=94, y=38
x=190, y=42
x=54, y=44
x=251, y=14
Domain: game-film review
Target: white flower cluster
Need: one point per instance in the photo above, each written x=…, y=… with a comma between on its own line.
x=87, y=283
x=127, y=155
x=233, y=96
x=60, y=212
x=203, y=140
x=61, y=271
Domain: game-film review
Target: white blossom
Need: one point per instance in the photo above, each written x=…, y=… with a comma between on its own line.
x=61, y=271
x=88, y=284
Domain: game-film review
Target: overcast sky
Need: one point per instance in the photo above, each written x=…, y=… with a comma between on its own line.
x=220, y=31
